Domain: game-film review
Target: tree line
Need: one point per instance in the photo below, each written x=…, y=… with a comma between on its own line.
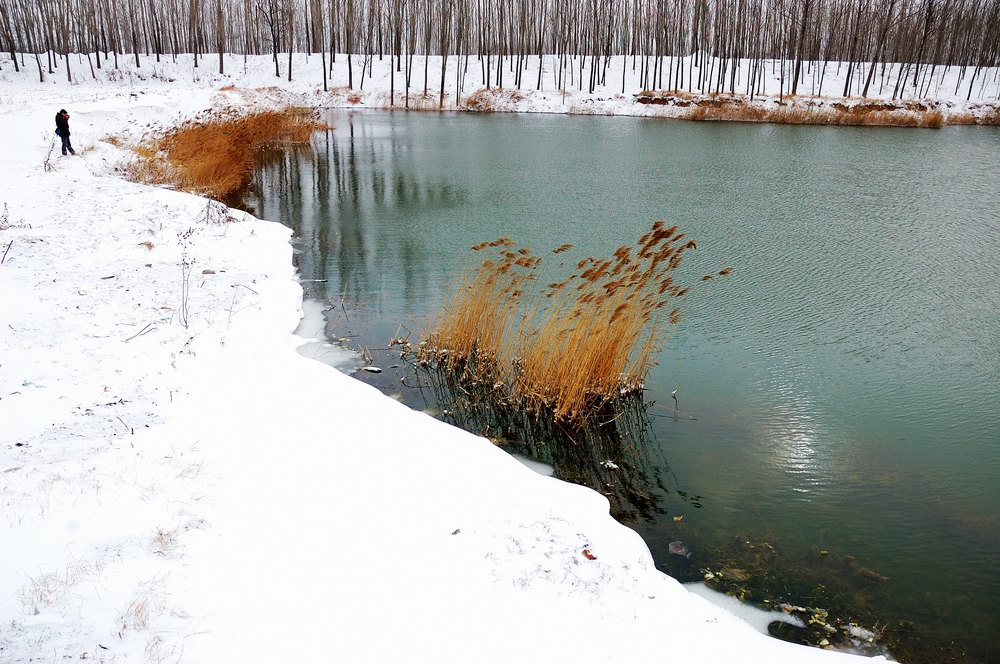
x=734, y=43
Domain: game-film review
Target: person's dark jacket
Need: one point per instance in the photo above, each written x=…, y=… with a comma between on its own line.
x=62, y=124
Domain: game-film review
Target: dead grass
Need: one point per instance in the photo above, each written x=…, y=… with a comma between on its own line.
x=990, y=117
x=149, y=168
x=804, y=109
x=146, y=604
x=571, y=348
x=817, y=115
x=963, y=118
x=158, y=651
x=163, y=542
x=51, y=588
x=213, y=156
x=490, y=100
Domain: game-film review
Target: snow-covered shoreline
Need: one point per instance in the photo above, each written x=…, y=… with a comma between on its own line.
x=203, y=493
x=960, y=95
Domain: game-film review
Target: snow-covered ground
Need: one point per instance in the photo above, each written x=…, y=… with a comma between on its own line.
x=178, y=484
x=951, y=90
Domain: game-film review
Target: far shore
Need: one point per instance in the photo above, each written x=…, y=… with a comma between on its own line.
x=955, y=97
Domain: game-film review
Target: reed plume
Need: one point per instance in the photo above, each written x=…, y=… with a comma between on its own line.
x=574, y=347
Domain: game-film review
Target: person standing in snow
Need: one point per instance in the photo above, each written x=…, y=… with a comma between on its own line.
x=62, y=131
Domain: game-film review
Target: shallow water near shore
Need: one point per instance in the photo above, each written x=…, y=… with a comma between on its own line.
x=838, y=396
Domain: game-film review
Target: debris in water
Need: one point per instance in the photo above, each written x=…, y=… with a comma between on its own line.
x=678, y=549
x=678, y=519
x=859, y=632
x=371, y=369
x=871, y=574
x=735, y=574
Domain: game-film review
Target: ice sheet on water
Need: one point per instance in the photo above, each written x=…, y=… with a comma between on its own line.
x=537, y=466
x=757, y=618
x=317, y=347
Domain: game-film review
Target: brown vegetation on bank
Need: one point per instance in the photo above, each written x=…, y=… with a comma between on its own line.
x=829, y=116
x=213, y=155
x=490, y=100
x=570, y=349
x=815, y=111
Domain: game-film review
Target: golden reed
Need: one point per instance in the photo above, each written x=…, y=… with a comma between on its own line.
x=213, y=155
x=574, y=346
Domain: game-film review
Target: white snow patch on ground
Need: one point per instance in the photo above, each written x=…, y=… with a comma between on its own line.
x=202, y=492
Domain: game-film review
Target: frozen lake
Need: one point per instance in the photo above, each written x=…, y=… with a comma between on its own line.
x=845, y=379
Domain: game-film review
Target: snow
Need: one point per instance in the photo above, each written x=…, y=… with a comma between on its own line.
x=952, y=89
x=207, y=493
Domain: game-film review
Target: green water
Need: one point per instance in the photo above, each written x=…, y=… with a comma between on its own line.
x=845, y=378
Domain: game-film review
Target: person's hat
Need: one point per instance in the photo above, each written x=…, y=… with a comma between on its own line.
x=62, y=110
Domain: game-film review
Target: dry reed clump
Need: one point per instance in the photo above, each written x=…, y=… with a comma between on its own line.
x=149, y=168
x=214, y=156
x=962, y=118
x=573, y=348
x=861, y=115
x=991, y=117
x=145, y=604
x=48, y=589
x=492, y=100
x=802, y=109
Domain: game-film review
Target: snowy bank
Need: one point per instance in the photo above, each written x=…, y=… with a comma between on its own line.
x=953, y=95
x=178, y=484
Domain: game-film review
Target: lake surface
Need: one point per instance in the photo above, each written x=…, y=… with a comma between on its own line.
x=845, y=379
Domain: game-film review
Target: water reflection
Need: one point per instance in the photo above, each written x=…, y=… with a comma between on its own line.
x=328, y=192
x=618, y=457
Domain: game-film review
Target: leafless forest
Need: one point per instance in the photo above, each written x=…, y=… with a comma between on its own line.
x=907, y=42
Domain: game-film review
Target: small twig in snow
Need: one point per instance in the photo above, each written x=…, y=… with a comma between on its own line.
x=47, y=163
x=130, y=429
x=236, y=289
x=5, y=252
x=146, y=330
